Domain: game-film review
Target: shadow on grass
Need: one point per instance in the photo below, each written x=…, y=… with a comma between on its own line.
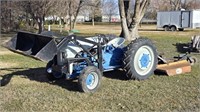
x=160, y=73
x=37, y=74
x=116, y=74
x=121, y=75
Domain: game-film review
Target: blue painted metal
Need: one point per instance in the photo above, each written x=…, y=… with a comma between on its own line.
x=112, y=57
x=89, y=80
x=77, y=68
x=145, y=60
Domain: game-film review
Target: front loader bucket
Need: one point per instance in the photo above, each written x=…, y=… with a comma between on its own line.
x=37, y=46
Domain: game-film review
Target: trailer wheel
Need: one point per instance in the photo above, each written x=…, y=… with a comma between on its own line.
x=52, y=75
x=140, y=59
x=90, y=79
x=173, y=28
x=166, y=28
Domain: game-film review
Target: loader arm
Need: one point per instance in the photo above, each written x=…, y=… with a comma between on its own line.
x=44, y=47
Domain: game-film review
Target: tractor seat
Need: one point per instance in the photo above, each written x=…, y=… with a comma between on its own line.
x=117, y=42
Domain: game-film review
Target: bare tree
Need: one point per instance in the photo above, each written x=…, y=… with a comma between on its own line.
x=171, y=5
x=9, y=16
x=77, y=6
x=110, y=8
x=61, y=12
x=161, y=5
x=74, y=9
x=38, y=10
x=94, y=8
x=5, y=15
x=184, y=4
x=175, y=4
x=129, y=23
x=69, y=10
x=190, y=4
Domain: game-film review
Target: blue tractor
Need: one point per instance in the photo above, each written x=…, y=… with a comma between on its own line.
x=87, y=58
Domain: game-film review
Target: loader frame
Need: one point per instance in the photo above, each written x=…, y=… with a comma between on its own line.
x=74, y=39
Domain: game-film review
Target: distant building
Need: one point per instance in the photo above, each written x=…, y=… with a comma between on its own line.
x=114, y=18
x=84, y=18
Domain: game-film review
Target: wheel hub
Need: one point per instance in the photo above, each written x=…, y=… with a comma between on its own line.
x=90, y=80
x=144, y=61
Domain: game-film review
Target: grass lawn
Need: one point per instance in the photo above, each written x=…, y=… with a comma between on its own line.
x=26, y=88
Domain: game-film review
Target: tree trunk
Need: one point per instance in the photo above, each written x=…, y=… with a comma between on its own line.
x=135, y=21
x=70, y=14
x=130, y=24
x=40, y=25
x=66, y=23
x=70, y=22
x=76, y=14
x=74, y=23
x=92, y=21
x=134, y=32
x=125, y=30
x=110, y=18
x=60, y=24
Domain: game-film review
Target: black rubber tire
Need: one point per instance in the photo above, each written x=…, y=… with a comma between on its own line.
x=129, y=58
x=192, y=60
x=50, y=76
x=82, y=81
x=173, y=28
x=166, y=28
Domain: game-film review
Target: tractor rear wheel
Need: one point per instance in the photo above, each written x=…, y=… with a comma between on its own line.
x=140, y=59
x=90, y=79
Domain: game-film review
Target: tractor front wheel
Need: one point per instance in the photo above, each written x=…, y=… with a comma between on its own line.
x=52, y=75
x=140, y=59
x=89, y=79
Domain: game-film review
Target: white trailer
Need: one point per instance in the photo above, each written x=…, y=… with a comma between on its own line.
x=178, y=20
